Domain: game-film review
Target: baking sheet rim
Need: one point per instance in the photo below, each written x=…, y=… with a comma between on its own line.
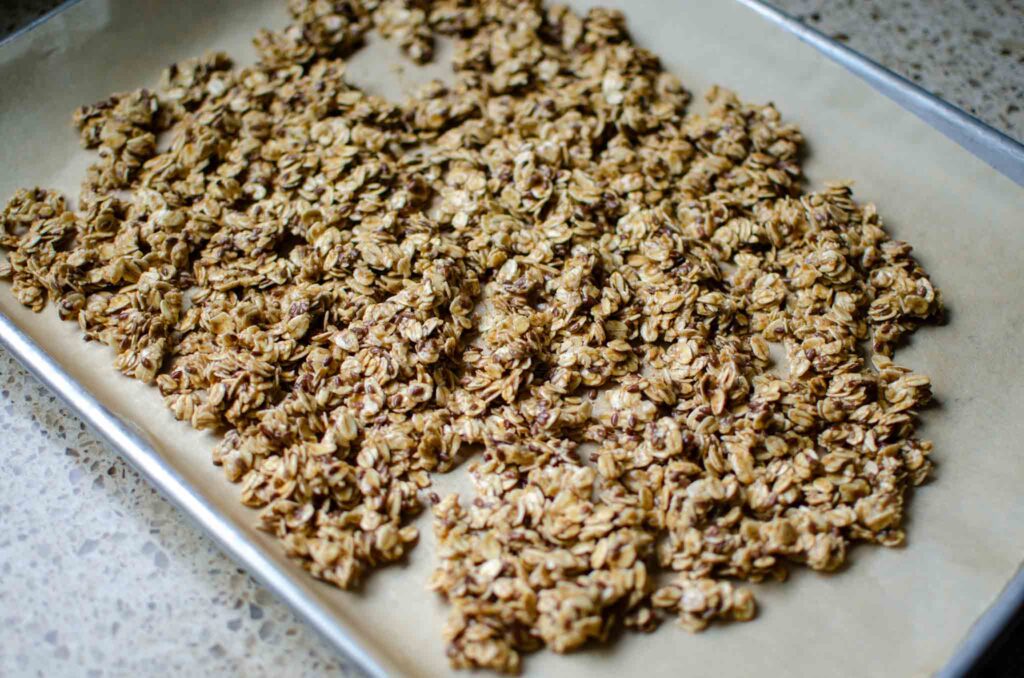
x=998, y=150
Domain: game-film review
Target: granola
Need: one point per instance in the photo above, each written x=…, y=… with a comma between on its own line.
x=657, y=352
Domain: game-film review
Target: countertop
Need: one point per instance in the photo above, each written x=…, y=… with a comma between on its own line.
x=99, y=576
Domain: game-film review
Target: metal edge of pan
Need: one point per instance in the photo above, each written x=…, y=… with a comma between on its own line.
x=995, y=148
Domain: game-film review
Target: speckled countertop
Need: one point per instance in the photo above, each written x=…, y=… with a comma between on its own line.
x=99, y=576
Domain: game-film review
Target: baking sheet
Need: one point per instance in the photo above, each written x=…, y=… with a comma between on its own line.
x=892, y=612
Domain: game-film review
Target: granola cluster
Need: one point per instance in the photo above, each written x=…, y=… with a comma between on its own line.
x=648, y=342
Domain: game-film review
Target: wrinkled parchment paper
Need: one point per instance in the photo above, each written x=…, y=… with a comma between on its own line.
x=892, y=612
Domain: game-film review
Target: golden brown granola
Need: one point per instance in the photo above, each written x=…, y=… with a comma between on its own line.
x=548, y=267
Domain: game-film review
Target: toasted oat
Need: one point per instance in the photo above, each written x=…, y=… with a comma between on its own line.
x=548, y=267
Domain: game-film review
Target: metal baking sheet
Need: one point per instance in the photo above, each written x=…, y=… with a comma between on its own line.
x=933, y=607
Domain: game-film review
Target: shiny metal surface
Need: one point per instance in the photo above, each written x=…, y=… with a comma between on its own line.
x=995, y=148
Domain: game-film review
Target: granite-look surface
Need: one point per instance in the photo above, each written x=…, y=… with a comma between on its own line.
x=99, y=576
x=969, y=52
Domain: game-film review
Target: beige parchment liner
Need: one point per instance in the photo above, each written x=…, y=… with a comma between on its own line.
x=892, y=612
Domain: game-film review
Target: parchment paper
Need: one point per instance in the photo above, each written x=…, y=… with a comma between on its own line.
x=892, y=612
